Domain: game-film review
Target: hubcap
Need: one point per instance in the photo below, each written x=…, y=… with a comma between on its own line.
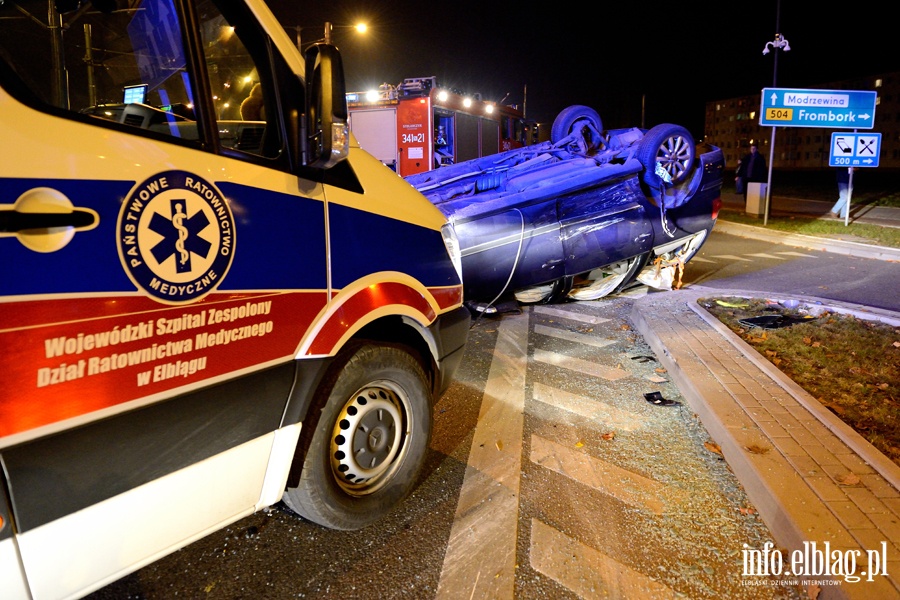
x=367, y=439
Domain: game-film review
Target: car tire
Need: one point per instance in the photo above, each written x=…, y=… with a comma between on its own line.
x=549, y=293
x=578, y=118
x=369, y=441
x=673, y=147
x=607, y=280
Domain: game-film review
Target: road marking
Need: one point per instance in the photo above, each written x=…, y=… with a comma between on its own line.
x=797, y=254
x=764, y=255
x=732, y=257
x=568, y=314
x=481, y=554
x=586, y=571
x=582, y=366
x=606, y=414
x=701, y=259
x=623, y=485
x=573, y=336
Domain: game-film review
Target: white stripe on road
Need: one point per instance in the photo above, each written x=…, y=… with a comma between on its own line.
x=573, y=336
x=586, y=571
x=797, y=254
x=623, y=485
x=764, y=255
x=601, y=412
x=732, y=257
x=582, y=366
x=481, y=554
x=568, y=314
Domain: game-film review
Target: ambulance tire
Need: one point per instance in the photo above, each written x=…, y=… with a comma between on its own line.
x=369, y=442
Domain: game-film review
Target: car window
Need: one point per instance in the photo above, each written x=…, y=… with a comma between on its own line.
x=235, y=80
x=128, y=64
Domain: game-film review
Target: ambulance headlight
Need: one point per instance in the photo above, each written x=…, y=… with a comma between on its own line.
x=453, y=249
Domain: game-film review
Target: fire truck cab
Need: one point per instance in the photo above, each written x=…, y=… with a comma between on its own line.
x=417, y=126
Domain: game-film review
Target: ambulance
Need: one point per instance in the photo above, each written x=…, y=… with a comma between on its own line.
x=212, y=299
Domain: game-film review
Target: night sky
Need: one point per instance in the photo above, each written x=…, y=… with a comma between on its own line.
x=672, y=57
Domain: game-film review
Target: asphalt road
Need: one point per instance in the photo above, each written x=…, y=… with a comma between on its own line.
x=550, y=475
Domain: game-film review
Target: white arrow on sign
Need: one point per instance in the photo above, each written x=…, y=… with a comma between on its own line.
x=774, y=98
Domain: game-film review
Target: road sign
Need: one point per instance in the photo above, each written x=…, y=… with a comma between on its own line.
x=854, y=149
x=831, y=109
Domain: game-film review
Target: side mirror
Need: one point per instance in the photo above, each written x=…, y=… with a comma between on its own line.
x=327, y=124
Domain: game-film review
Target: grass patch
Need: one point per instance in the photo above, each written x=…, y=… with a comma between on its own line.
x=858, y=232
x=850, y=365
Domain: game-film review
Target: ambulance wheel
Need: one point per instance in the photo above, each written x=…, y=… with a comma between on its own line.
x=369, y=442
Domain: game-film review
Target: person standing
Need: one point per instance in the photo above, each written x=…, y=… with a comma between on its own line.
x=751, y=168
x=844, y=189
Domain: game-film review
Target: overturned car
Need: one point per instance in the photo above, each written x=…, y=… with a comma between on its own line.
x=582, y=215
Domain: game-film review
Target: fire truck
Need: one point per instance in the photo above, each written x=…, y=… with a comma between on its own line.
x=418, y=126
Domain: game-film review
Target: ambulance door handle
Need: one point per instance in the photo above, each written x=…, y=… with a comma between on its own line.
x=12, y=221
x=45, y=220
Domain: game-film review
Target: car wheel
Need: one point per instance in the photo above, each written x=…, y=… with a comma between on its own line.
x=582, y=119
x=549, y=293
x=369, y=442
x=607, y=280
x=673, y=148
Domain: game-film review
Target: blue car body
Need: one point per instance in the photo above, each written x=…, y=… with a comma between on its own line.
x=562, y=214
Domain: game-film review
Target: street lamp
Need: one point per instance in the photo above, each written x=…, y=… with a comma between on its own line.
x=326, y=35
x=778, y=44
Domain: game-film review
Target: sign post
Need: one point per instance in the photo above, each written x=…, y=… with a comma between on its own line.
x=851, y=150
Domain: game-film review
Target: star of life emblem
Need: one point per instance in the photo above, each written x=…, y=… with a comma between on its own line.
x=176, y=237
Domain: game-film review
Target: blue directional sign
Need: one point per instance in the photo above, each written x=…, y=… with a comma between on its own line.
x=854, y=149
x=831, y=109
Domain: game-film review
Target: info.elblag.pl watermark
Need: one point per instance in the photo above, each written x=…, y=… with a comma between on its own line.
x=821, y=562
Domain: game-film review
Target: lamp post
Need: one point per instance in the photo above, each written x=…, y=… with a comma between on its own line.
x=327, y=33
x=778, y=44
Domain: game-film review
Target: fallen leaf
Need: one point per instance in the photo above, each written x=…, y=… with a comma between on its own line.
x=813, y=590
x=816, y=344
x=771, y=353
x=849, y=479
x=896, y=344
x=712, y=447
x=499, y=445
x=732, y=304
x=882, y=386
x=609, y=436
x=660, y=370
x=748, y=511
x=625, y=328
x=579, y=444
x=757, y=449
